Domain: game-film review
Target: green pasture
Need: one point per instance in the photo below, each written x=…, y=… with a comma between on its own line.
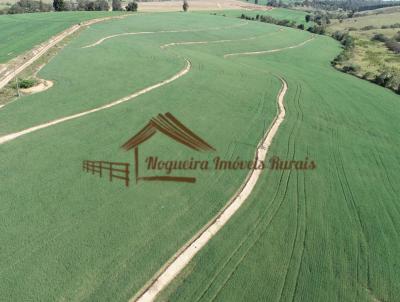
x=264, y=2
x=277, y=13
x=19, y=33
x=371, y=57
x=73, y=236
x=329, y=234
x=376, y=20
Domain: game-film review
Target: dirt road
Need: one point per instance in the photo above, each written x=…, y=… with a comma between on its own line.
x=98, y=42
x=17, y=65
x=12, y=136
x=183, y=257
x=251, y=53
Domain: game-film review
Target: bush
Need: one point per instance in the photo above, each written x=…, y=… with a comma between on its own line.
x=397, y=37
x=369, y=27
x=379, y=37
x=29, y=6
x=268, y=19
x=132, y=7
x=351, y=68
x=101, y=5
x=368, y=75
x=300, y=26
x=317, y=29
x=25, y=83
x=383, y=78
x=393, y=46
x=58, y=5
x=185, y=6
x=116, y=5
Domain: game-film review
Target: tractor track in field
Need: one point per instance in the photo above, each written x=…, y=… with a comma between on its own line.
x=179, y=261
x=19, y=64
x=98, y=42
x=299, y=237
x=252, y=53
x=258, y=226
x=272, y=208
x=12, y=136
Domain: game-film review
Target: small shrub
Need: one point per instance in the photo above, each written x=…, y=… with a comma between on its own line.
x=132, y=7
x=383, y=78
x=369, y=27
x=25, y=83
x=379, y=37
x=393, y=45
x=351, y=68
x=185, y=6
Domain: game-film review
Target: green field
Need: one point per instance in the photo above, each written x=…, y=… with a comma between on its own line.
x=370, y=57
x=330, y=234
x=277, y=13
x=19, y=33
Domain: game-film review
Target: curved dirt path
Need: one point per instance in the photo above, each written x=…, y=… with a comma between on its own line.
x=161, y=32
x=251, y=53
x=38, y=51
x=12, y=136
x=185, y=254
x=215, y=41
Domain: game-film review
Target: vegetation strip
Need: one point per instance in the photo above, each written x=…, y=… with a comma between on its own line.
x=212, y=42
x=267, y=51
x=183, y=257
x=161, y=32
x=12, y=136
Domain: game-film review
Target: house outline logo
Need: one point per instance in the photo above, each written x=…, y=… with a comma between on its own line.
x=170, y=126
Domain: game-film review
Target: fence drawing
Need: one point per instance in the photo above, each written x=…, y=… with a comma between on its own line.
x=110, y=169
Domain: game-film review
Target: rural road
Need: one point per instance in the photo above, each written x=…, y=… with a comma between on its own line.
x=185, y=254
x=39, y=51
x=12, y=136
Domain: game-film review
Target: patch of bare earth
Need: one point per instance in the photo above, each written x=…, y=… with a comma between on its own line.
x=198, y=5
x=41, y=86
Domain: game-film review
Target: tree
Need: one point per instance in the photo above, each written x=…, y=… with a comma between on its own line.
x=132, y=7
x=185, y=5
x=116, y=5
x=58, y=5
x=308, y=18
x=383, y=78
x=300, y=26
x=101, y=5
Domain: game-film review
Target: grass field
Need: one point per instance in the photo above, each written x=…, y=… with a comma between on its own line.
x=372, y=57
x=19, y=33
x=329, y=234
x=277, y=13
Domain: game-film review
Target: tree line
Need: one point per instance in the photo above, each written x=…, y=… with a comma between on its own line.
x=35, y=6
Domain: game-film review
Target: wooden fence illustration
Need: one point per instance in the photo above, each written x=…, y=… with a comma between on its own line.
x=110, y=169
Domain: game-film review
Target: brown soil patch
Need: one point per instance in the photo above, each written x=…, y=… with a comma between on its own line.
x=198, y=5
